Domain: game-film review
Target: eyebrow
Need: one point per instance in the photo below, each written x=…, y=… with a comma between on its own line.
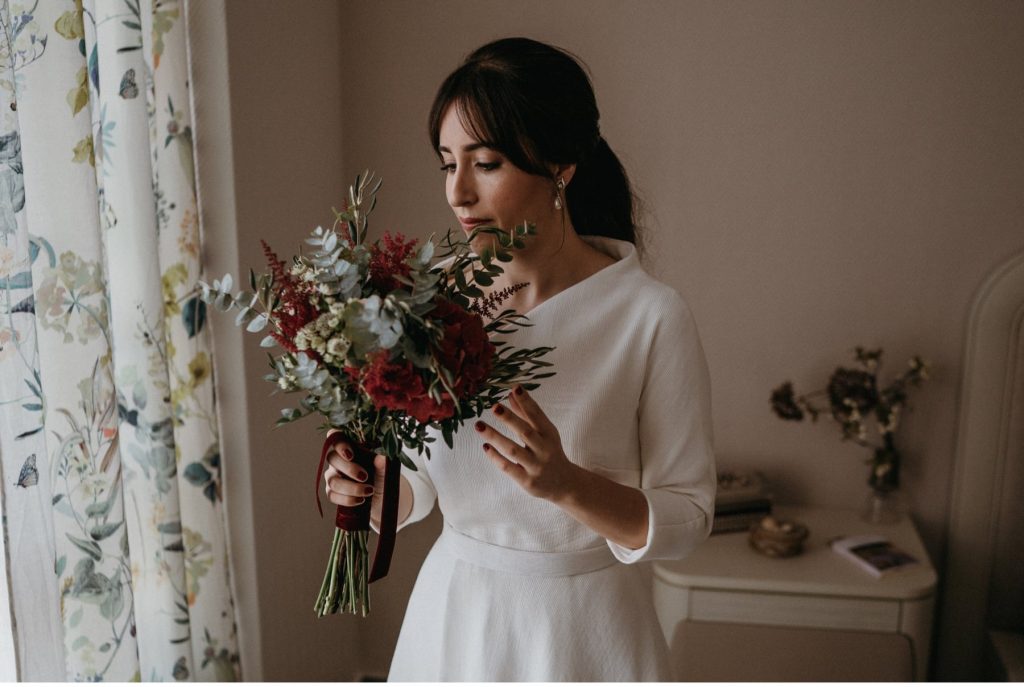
x=468, y=149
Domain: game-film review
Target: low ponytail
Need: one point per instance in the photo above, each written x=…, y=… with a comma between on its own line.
x=600, y=198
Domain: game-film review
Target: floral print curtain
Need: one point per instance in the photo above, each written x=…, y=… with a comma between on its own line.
x=113, y=513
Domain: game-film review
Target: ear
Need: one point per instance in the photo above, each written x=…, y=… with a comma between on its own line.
x=566, y=172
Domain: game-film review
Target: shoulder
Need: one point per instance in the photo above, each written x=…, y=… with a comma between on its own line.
x=631, y=296
x=651, y=299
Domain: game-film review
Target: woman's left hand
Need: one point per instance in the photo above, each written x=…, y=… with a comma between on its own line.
x=538, y=465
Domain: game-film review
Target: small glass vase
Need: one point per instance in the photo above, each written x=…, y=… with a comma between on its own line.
x=883, y=507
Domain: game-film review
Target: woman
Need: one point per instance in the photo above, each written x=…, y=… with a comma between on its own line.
x=552, y=497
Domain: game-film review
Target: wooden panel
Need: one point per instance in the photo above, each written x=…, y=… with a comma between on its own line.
x=795, y=611
x=713, y=652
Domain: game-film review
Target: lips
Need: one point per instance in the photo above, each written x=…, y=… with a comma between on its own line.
x=468, y=223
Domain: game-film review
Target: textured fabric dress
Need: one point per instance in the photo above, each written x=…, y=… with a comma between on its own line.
x=517, y=590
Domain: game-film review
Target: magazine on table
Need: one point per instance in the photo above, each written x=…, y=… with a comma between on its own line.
x=874, y=554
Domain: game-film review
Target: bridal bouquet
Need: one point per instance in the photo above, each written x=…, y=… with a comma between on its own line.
x=384, y=346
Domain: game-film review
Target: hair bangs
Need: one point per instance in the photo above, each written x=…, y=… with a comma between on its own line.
x=489, y=113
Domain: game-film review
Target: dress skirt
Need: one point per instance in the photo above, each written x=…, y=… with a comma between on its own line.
x=481, y=612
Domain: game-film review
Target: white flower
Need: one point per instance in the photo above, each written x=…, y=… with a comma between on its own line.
x=337, y=346
x=323, y=326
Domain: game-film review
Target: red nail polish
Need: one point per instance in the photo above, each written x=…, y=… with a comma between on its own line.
x=479, y=426
x=348, y=454
x=519, y=391
x=487, y=447
x=498, y=410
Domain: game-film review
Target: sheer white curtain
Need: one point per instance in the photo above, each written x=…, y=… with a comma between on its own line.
x=109, y=447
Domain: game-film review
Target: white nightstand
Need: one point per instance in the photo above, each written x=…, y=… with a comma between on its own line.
x=730, y=613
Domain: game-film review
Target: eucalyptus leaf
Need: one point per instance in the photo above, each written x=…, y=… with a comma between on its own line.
x=244, y=316
x=257, y=324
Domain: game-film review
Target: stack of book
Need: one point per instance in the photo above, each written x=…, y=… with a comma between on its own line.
x=743, y=499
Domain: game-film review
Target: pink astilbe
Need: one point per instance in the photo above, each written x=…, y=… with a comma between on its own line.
x=488, y=305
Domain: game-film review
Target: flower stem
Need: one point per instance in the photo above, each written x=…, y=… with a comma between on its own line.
x=345, y=587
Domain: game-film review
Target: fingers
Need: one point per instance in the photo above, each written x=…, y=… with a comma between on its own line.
x=345, y=492
x=503, y=445
x=340, y=460
x=519, y=425
x=523, y=404
x=510, y=468
x=345, y=481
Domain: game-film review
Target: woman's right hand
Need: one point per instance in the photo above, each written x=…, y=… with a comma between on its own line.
x=346, y=483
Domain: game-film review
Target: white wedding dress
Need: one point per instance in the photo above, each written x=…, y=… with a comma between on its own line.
x=517, y=590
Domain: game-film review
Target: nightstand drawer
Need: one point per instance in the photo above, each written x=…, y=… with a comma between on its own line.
x=731, y=652
x=792, y=610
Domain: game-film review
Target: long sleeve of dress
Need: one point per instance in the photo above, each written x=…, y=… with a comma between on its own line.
x=424, y=495
x=675, y=435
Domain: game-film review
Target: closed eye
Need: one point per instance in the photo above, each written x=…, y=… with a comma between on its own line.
x=485, y=166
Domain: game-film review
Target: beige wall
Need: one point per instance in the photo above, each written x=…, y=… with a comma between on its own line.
x=816, y=175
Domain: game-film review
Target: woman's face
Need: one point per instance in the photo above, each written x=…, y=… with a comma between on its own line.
x=483, y=187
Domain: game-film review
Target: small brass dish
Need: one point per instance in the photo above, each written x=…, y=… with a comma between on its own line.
x=778, y=538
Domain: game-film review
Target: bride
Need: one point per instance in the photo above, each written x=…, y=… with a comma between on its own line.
x=553, y=497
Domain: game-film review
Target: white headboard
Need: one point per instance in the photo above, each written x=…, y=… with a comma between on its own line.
x=988, y=454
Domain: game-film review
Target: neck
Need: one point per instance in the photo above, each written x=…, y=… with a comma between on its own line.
x=549, y=267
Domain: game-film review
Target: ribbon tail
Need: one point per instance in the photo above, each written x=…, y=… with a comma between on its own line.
x=388, y=521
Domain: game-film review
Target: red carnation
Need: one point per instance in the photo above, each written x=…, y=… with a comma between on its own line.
x=397, y=386
x=465, y=350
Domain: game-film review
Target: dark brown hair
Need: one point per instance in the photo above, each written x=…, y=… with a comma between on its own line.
x=534, y=103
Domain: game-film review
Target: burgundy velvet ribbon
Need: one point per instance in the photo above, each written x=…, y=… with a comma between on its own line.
x=356, y=518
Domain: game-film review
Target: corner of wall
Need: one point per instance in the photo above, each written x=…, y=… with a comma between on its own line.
x=211, y=110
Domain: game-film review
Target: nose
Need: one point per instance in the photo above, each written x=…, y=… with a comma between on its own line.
x=461, y=189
